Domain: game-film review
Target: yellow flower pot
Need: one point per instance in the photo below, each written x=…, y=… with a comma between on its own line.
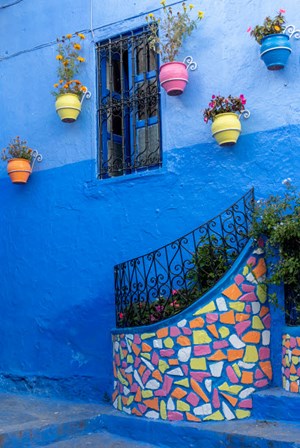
x=226, y=128
x=68, y=107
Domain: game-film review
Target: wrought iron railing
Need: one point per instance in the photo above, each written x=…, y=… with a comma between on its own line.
x=161, y=283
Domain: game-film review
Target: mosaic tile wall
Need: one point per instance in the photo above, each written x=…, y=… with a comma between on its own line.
x=291, y=363
x=204, y=366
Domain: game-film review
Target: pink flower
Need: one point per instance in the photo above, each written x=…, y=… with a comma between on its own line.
x=213, y=97
x=174, y=291
x=249, y=29
x=152, y=318
x=159, y=308
x=282, y=11
x=205, y=119
x=121, y=315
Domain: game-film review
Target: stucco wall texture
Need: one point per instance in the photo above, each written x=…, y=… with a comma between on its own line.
x=62, y=233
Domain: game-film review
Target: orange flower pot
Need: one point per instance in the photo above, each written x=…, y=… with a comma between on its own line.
x=19, y=170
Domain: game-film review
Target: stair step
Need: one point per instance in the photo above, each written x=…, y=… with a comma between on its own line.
x=29, y=422
x=99, y=440
x=276, y=404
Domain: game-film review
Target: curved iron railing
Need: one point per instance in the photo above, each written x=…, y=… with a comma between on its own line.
x=161, y=283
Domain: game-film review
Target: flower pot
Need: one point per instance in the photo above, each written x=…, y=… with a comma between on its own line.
x=275, y=51
x=19, y=170
x=226, y=128
x=68, y=107
x=173, y=77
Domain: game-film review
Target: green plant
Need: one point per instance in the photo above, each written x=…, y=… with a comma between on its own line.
x=69, y=61
x=174, y=27
x=208, y=264
x=17, y=149
x=221, y=104
x=278, y=219
x=270, y=26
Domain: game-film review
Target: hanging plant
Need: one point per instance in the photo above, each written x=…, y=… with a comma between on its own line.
x=69, y=91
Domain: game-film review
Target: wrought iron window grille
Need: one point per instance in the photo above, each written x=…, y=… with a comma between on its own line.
x=161, y=283
x=128, y=105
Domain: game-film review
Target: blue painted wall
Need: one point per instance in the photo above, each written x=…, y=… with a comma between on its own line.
x=62, y=233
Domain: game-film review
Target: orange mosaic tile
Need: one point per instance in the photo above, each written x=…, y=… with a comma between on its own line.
x=129, y=378
x=298, y=341
x=233, y=354
x=114, y=395
x=296, y=352
x=293, y=369
x=157, y=375
x=213, y=330
x=152, y=403
x=184, y=341
x=192, y=418
x=233, y=292
x=142, y=369
x=115, y=370
x=227, y=318
x=173, y=362
x=136, y=350
x=162, y=332
x=240, y=317
x=197, y=323
x=232, y=400
x=260, y=269
x=146, y=347
x=247, y=377
x=252, y=336
x=294, y=387
x=138, y=395
x=196, y=388
x=217, y=356
x=178, y=393
x=124, y=400
x=264, y=310
x=266, y=367
x=136, y=412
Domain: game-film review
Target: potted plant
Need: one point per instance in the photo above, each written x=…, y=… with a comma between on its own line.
x=69, y=91
x=277, y=218
x=225, y=113
x=275, y=45
x=20, y=159
x=174, y=29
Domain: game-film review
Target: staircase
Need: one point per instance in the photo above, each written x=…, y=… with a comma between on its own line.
x=27, y=421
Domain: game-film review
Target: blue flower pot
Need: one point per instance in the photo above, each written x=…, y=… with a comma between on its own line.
x=275, y=51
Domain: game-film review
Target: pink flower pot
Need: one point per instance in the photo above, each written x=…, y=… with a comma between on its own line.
x=173, y=77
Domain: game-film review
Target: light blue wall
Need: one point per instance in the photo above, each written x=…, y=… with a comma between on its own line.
x=62, y=233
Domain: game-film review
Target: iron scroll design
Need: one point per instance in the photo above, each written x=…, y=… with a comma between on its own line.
x=157, y=285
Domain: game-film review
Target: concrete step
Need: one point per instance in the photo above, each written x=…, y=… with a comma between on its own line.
x=100, y=440
x=276, y=404
x=27, y=421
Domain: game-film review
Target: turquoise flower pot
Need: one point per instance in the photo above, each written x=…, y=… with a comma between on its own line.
x=275, y=51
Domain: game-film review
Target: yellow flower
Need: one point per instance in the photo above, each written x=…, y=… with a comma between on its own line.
x=200, y=15
x=55, y=85
x=59, y=57
x=77, y=46
x=65, y=86
x=191, y=6
x=80, y=59
x=82, y=36
x=163, y=2
x=277, y=28
x=151, y=16
x=60, y=81
x=83, y=89
x=68, y=36
x=66, y=62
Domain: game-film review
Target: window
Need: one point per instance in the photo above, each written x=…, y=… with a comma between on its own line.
x=128, y=110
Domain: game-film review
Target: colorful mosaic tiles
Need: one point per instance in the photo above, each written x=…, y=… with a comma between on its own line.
x=291, y=363
x=204, y=366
